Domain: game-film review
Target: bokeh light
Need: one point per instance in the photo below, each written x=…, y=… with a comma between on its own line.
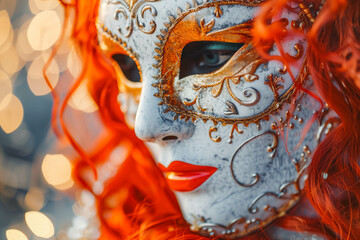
x=36, y=79
x=74, y=63
x=44, y=30
x=8, y=5
x=6, y=31
x=22, y=43
x=12, y=115
x=10, y=61
x=29, y=182
x=65, y=186
x=82, y=101
x=5, y=90
x=56, y=169
x=39, y=224
x=5, y=26
x=14, y=234
x=38, y=5
x=35, y=199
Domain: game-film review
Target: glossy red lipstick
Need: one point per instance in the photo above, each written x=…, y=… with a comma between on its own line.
x=186, y=177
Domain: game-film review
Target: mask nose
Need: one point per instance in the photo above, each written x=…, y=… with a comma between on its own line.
x=152, y=124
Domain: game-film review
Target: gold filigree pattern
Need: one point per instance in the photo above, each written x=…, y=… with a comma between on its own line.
x=110, y=44
x=289, y=191
x=306, y=10
x=234, y=128
x=327, y=124
x=230, y=108
x=271, y=149
x=132, y=12
x=242, y=71
x=168, y=70
x=242, y=226
x=242, y=67
x=299, y=51
x=217, y=12
x=274, y=84
x=206, y=28
x=305, y=19
x=217, y=138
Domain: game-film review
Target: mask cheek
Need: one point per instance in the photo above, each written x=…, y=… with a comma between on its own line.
x=129, y=106
x=187, y=93
x=129, y=97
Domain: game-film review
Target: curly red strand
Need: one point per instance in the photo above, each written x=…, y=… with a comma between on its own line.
x=334, y=63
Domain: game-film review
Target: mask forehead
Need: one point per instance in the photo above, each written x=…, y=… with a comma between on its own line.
x=140, y=24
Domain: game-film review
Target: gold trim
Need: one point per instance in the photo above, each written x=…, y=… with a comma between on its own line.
x=111, y=44
x=163, y=85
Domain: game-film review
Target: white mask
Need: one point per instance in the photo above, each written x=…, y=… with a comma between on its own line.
x=235, y=131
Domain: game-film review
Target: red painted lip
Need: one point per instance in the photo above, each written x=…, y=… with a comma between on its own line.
x=186, y=177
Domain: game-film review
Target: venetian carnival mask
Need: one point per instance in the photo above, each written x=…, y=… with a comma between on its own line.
x=230, y=124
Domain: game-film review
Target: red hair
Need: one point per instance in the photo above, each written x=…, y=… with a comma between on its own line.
x=334, y=64
x=131, y=208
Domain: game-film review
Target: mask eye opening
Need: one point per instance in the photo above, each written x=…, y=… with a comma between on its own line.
x=128, y=66
x=203, y=57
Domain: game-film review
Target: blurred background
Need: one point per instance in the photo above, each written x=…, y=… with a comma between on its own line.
x=38, y=199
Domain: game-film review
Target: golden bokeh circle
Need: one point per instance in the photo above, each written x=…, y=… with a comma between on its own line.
x=44, y=30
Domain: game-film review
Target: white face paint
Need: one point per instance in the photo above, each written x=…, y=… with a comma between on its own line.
x=228, y=123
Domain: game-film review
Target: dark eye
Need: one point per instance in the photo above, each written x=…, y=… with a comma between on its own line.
x=128, y=67
x=206, y=57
